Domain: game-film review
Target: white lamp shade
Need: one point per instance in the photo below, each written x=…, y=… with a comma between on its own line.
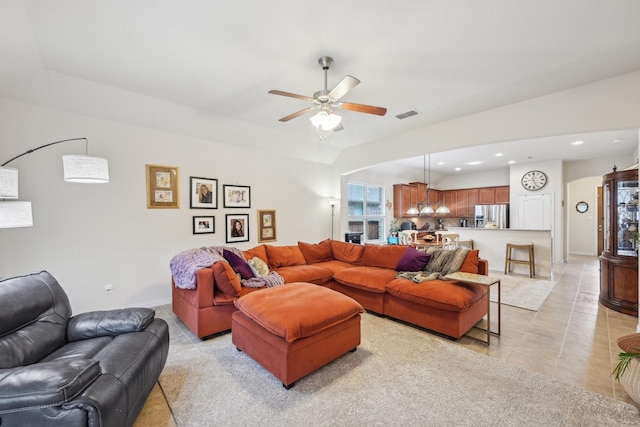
x=15, y=214
x=443, y=210
x=413, y=211
x=85, y=169
x=326, y=121
x=427, y=210
x=8, y=183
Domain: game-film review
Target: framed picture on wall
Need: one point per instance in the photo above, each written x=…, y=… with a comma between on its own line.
x=237, y=227
x=162, y=187
x=204, y=224
x=203, y=193
x=267, y=225
x=236, y=196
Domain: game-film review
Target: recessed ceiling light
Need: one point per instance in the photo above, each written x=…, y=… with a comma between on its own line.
x=615, y=141
x=498, y=154
x=511, y=162
x=457, y=169
x=474, y=163
x=440, y=163
x=577, y=143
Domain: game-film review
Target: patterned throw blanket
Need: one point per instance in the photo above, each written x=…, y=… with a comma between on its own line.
x=442, y=262
x=185, y=265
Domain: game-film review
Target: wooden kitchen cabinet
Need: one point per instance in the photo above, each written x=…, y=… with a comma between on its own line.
x=405, y=196
x=486, y=196
x=501, y=194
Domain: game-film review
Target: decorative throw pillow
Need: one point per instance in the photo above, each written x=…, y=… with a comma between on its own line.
x=284, y=256
x=471, y=261
x=227, y=280
x=239, y=265
x=258, y=266
x=413, y=260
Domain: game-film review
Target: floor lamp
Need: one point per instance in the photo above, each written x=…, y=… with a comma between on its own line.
x=333, y=204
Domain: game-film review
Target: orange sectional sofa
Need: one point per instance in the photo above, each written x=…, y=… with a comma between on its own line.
x=366, y=273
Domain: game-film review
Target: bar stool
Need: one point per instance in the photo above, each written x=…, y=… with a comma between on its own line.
x=531, y=262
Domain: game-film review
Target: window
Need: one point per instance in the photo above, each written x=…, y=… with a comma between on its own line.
x=366, y=211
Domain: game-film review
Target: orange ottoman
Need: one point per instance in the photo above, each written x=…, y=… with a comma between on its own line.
x=294, y=329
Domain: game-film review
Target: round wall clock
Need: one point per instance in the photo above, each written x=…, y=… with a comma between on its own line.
x=534, y=180
x=582, y=207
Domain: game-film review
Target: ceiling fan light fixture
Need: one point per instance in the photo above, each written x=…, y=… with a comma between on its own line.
x=324, y=120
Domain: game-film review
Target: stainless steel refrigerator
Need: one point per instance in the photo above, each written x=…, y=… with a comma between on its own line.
x=494, y=214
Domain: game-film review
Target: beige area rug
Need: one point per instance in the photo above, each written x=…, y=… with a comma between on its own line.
x=399, y=376
x=521, y=291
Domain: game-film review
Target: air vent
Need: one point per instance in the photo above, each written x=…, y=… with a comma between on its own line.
x=407, y=114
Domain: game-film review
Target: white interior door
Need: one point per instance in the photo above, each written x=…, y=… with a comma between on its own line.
x=535, y=211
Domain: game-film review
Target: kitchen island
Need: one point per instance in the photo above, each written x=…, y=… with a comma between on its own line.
x=492, y=244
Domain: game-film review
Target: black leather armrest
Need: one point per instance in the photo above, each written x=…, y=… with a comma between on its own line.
x=45, y=384
x=108, y=323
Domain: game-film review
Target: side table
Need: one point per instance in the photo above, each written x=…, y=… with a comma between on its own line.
x=488, y=281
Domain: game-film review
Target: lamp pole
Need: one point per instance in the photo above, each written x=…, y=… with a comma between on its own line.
x=332, y=203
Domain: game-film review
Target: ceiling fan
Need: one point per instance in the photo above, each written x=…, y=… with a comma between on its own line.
x=325, y=101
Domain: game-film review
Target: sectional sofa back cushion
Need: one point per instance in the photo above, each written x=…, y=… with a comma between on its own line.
x=382, y=256
x=318, y=252
x=347, y=252
x=471, y=261
x=259, y=251
x=284, y=256
x=227, y=280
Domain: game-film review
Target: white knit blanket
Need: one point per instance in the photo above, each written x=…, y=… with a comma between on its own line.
x=442, y=262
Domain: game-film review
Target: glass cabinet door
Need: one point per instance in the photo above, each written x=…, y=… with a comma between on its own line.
x=627, y=218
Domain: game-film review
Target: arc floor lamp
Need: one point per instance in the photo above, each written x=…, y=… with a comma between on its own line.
x=80, y=168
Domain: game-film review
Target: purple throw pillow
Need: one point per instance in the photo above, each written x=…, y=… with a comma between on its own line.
x=239, y=265
x=413, y=260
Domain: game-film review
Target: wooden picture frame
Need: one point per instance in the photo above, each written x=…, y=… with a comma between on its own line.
x=267, y=226
x=203, y=193
x=236, y=196
x=204, y=224
x=237, y=227
x=162, y=187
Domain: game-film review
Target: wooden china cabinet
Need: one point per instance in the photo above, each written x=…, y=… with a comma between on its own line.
x=619, y=260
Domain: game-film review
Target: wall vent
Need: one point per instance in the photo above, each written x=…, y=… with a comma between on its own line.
x=407, y=114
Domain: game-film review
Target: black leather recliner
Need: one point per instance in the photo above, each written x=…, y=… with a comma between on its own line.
x=92, y=369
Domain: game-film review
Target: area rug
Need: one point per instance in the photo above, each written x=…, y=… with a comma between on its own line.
x=521, y=291
x=399, y=376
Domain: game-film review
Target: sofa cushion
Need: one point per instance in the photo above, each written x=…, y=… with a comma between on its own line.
x=226, y=279
x=305, y=273
x=259, y=251
x=298, y=310
x=442, y=294
x=372, y=279
x=413, y=260
x=471, y=261
x=334, y=265
x=347, y=252
x=284, y=256
x=258, y=266
x=238, y=264
x=317, y=252
x=382, y=256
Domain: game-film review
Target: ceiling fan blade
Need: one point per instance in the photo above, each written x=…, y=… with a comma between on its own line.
x=297, y=114
x=345, y=85
x=291, y=95
x=338, y=128
x=361, y=108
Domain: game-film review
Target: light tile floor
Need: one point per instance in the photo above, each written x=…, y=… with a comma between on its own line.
x=572, y=338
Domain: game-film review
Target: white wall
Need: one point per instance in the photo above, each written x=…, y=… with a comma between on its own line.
x=91, y=235
x=583, y=227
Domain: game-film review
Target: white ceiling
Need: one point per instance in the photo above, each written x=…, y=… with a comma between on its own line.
x=203, y=68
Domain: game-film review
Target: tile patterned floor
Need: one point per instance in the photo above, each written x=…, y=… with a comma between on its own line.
x=572, y=338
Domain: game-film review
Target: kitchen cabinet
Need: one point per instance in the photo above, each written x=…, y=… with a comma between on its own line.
x=405, y=196
x=501, y=194
x=619, y=260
